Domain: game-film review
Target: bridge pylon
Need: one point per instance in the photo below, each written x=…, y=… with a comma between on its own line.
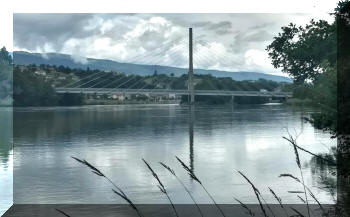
x=190, y=68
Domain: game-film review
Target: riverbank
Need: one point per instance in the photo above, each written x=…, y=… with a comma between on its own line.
x=298, y=102
x=128, y=102
x=6, y=102
x=288, y=102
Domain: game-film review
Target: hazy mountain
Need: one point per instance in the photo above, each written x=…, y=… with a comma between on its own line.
x=25, y=58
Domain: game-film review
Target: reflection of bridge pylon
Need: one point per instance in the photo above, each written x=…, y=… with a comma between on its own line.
x=191, y=123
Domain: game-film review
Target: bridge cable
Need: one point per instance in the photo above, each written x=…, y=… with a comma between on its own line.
x=165, y=46
x=173, y=51
x=96, y=73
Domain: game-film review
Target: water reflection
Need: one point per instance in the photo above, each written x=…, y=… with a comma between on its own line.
x=325, y=174
x=6, y=173
x=5, y=135
x=116, y=138
x=191, y=123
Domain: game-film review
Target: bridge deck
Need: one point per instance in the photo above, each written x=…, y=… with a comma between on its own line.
x=176, y=92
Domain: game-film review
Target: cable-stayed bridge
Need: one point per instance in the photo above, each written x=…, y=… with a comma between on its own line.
x=99, y=83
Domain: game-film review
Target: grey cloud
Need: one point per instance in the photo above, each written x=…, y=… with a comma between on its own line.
x=223, y=24
x=223, y=32
x=34, y=30
x=220, y=28
x=236, y=33
x=201, y=24
x=254, y=36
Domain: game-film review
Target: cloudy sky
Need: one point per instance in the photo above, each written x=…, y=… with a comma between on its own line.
x=232, y=42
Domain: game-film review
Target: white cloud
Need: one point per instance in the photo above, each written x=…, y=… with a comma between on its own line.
x=258, y=60
x=79, y=59
x=231, y=42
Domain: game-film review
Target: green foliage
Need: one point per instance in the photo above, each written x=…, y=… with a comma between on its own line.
x=5, y=57
x=216, y=100
x=303, y=91
x=208, y=82
x=70, y=99
x=5, y=77
x=324, y=97
x=31, y=90
x=343, y=68
x=300, y=51
x=309, y=54
x=179, y=83
x=34, y=85
x=251, y=100
x=340, y=6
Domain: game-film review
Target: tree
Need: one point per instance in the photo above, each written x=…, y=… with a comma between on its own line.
x=308, y=54
x=5, y=57
x=324, y=96
x=5, y=77
x=301, y=51
x=31, y=90
x=69, y=99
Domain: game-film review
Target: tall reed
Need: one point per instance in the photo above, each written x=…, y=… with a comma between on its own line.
x=292, y=141
x=63, y=213
x=302, y=200
x=320, y=157
x=256, y=192
x=308, y=190
x=296, y=211
x=183, y=185
x=161, y=186
x=118, y=192
x=279, y=200
x=250, y=212
x=194, y=177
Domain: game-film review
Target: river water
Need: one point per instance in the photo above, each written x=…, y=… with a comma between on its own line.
x=215, y=141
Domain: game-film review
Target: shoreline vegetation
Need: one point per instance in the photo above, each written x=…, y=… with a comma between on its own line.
x=299, y=102
x=34, y=86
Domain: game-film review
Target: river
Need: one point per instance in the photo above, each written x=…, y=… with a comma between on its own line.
x=215, y=141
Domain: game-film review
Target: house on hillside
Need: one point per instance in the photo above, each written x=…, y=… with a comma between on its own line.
x=42, y=73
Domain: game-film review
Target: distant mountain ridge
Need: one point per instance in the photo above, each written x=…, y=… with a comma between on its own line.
x=26, y=58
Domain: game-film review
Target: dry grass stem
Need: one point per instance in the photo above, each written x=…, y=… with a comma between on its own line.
x=119, y=192
x=194, y=177
x=249, y=211
x=279, y=200
x=63, y=213
x=292, y=141
x=256, y=191
x=183, y=185
x=161, y=186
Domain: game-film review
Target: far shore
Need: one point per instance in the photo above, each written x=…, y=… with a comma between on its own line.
x=289, y=102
